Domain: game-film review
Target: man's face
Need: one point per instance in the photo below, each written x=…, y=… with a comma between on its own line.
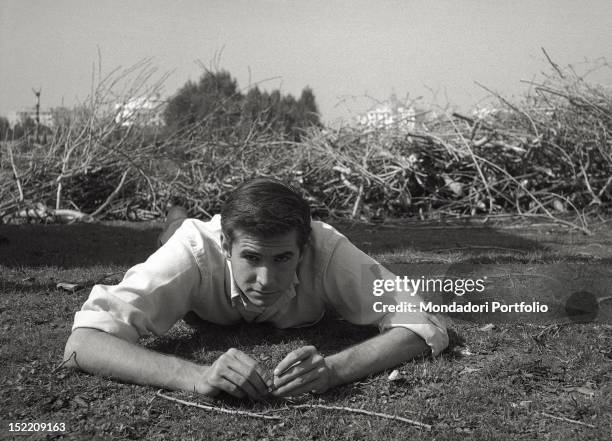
x=263, y=268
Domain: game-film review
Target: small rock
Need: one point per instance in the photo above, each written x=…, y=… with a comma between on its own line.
x=72, y=287
x=582, y=390
x=468, y=370
x=465, y=351
x=526, y=404
x=488, y=328
x=395, y=375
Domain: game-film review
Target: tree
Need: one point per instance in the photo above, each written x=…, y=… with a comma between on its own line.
x=289, y=117
x=5, y=129
x=251, y=114
x=25, y=127
x=307, y=109
x=180, y=110
x=215, y=101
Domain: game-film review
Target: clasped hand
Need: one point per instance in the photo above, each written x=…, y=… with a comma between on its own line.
x=303, y=370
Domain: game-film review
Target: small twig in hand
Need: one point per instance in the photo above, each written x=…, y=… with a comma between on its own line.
x=218, y=409
x=567, y=420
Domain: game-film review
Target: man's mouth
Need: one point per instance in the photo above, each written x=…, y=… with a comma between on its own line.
x=264, y=293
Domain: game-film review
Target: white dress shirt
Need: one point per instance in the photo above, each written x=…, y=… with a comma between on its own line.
x=191, y=273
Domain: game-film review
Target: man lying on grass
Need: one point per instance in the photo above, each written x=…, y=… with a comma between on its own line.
x=262, y=260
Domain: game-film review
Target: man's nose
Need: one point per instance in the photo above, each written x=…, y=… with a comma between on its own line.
x=265, y=277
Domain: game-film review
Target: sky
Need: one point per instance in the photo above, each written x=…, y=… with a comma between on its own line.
x=351, y=53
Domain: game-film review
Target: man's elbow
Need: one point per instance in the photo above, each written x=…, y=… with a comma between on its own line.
x=77, y=340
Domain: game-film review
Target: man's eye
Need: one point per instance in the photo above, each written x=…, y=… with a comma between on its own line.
x=283, y=259
x=251, y=258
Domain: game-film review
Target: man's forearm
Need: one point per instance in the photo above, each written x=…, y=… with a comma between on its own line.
x=103, y=354
x=376, y=354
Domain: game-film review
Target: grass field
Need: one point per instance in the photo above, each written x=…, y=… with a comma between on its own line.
x=515, y=381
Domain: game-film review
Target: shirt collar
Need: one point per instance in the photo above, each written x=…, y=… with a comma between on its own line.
x=240, y=300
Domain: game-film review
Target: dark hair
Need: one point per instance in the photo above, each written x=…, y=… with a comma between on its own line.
x=266, y=207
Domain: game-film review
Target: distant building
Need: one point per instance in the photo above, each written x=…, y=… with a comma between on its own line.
x=21, y=116
x=390, y=114
x=145, y=111
x=63, y=116
x=484, y=112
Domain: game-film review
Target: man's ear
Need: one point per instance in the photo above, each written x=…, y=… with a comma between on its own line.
x=225, y=246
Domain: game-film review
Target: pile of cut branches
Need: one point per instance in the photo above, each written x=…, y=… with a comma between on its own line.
x=550, y=155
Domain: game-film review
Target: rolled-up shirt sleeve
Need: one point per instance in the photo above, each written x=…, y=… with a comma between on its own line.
x=151, y=298
x=348, y=283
